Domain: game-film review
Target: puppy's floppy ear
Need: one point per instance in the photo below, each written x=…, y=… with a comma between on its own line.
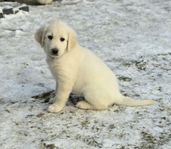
x=72, y=39
x=39, y=35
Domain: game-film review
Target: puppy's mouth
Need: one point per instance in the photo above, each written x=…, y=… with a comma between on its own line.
x=53, y=53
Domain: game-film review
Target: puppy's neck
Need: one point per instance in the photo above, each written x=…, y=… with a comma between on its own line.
x=50, y=59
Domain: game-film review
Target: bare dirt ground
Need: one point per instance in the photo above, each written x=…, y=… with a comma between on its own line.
x=131, y=36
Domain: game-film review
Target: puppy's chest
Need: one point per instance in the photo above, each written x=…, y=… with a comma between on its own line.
x=61, y=70
x=55, y=70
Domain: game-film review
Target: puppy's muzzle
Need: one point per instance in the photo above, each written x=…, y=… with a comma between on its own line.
x=54, y=51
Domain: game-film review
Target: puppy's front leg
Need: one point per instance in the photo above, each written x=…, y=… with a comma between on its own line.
x=63, y=91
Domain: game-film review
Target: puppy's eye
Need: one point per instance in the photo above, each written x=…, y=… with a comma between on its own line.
x=62, y=39
x=50, y=37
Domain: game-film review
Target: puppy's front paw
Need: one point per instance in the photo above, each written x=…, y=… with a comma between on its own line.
x=54, y=108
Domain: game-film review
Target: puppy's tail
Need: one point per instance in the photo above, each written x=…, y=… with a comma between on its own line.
x=127, y=101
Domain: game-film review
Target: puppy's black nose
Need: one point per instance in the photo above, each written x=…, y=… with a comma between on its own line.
x=54, y=51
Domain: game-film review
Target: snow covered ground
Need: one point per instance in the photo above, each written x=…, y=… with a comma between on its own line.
x=132, y=36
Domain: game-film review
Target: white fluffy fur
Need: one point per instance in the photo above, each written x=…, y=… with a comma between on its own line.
x=78, y=70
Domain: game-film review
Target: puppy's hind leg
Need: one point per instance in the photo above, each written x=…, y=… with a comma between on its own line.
x=87, y=106
x=84, y=105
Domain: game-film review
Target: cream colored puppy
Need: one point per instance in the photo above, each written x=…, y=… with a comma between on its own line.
x=78, y=70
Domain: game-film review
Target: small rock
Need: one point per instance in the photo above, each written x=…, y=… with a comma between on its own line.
x=1, y=15
x=16, y=11
x=7, y=110
x=24, y=8
x=40, y=114
x=7, y=11
x=48, y=146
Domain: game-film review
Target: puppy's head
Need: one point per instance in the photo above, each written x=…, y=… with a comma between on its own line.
x=56, y=39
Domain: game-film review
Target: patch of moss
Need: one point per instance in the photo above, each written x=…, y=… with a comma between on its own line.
x=149, y=141
x=92, y=142
x=141, y=65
